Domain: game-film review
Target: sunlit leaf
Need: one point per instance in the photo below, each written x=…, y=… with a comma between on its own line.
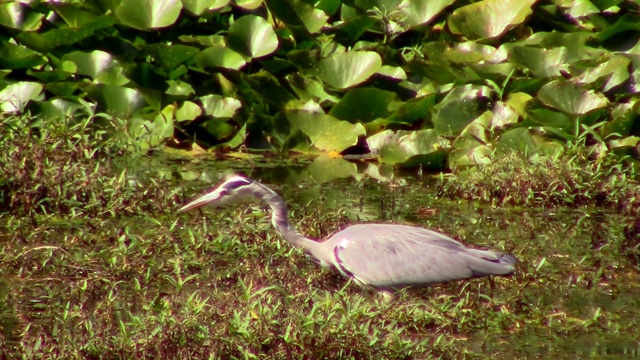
x=571, y=98
x=489, y=18
x=117, y=100
x=197, y=7
x=14, y=97
x=220, y=56
x=363, y=105
x=253, y=36
x=188, y=111
x=18, y=15
x=326, y=132
x=420, y=12
x=344, y=70
x=144, y=15
x=219, y=107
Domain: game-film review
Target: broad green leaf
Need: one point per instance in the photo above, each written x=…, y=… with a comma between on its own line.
x=489, y=18
x=624, y=116
x=571, y=98
x=344, y=70
x=325, y=168
x=188, y=111
x=56, y=109
x=146, y=15
x=179, y=88
x=548, y=118
x=220, y=56
x=197, y=7
x=414, y=110
x=394, y=72
x=459, y=108
x=541, y=62
x=14, y=97
x=117, y=100
x=91, y=64
x=220, y=107
x=248, y=4
x=252, y=36
x=421, y=12
x=299, y=13
x=18, y=15
x=363, y=105
x=307, y=88
x=169, y=57
x=613, y=72
x=414, y=144
x=325, y=132
x=19, y=57
x=518, y=139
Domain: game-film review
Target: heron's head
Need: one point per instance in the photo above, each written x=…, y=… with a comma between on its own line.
x=228, y=191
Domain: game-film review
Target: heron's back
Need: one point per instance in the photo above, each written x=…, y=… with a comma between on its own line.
x=388, y=256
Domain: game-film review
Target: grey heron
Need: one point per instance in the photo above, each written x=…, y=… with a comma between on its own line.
x=382, y=257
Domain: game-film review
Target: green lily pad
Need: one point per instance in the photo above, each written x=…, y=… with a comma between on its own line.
x=363, y=105
x=252, y=36
x=406, y=145
x=18, y=15
x=220, y=107
x=197, y=7
x=14, y=97
x=325, y=132
x=188, y=111
x=118, y=100
x=347, y=69
x=571, y=98
x=489, y=18
x=420, y=12
x=146, y=15
x=459, y=108
x=19, y=57
x=220, y=56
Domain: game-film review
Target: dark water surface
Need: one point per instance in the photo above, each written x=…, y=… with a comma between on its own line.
x=577, y=290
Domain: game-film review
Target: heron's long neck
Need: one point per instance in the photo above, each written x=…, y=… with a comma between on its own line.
x=280, y=220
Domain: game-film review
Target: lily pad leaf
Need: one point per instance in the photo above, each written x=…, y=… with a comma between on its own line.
x=188, y=111
x=420, y=12
x=489, y=18
x=363, y=105
x=220, y=56
x=326, y=132
x=347, y=69
x=119, y=100
x=219, y=107
x=145, y=15
x=252, y=36
x=15, y=97
x=197, y=7
x=571, y=98
x=409, y=144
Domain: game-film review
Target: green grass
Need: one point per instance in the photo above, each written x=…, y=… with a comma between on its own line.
x=97, y=266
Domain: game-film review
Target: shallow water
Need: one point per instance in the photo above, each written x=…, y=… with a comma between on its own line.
x=576, y=293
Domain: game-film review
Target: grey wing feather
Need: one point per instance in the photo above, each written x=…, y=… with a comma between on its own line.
x=388, y=256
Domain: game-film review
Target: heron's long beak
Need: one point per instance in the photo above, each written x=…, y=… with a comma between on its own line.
x=202, y=200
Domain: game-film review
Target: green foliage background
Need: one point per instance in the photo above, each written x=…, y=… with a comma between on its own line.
x=441, y=84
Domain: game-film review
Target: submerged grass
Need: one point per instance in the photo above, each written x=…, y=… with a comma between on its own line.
x=96, y=266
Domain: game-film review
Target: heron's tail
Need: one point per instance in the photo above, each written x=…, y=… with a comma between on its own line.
x=507, y=259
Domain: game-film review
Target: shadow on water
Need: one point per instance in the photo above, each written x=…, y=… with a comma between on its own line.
x=576, y=292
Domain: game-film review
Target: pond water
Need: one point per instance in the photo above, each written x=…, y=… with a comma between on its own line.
x=69, y=282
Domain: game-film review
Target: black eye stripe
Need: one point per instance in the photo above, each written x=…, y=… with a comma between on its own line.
x=236, y=184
